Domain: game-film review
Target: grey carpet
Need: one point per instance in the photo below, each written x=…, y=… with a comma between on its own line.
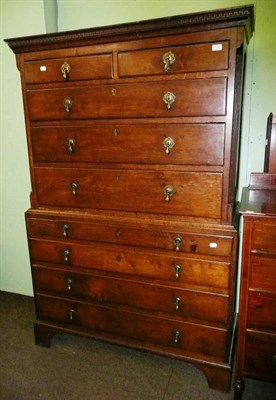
x=80, y=369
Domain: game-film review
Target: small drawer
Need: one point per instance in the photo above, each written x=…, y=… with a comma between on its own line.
x=68, y=69
x=262, y=272
x=264, y=235
x=176, y=268
x=132, y=144
x=260, y=355
x=152, y=99
x=174, y=60
x=184, y=337
x=138, y=294
x=262, y=310
x=197, y=194
x=155, y=236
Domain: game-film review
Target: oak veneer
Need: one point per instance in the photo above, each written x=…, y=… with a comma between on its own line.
x=133, y=135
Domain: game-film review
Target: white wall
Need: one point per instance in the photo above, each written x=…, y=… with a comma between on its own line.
x=21, y=18
x=18, y=18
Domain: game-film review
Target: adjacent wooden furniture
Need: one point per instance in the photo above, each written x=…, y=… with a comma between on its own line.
x=133, y=134
x=270, y=149
x=256, y=351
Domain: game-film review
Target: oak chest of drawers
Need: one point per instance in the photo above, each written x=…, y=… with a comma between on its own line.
x=133, y=136
x=256, y=350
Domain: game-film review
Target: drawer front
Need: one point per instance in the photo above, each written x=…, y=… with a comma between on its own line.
x=108, y=290
x=172, y=60
x=262, y=310
x=68, y=69
x=260, y=356
x=262, y=272
x=191, y=271
x=124, y=234
x=184, y=193
x=194, y=144
x=182, y=336
x=132, y=100
x=264, y=235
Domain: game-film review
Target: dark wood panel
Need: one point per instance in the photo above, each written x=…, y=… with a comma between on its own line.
x=260, y=356
x=130, y=100
x=264, y=235
x=262, y=273
x=189, y=58
x=191, y=144
x=193, y=193
x=79, y=68
x=155, y=236
x=262, y=310
x=108, y=290
x=191, y=337
x=179, y=269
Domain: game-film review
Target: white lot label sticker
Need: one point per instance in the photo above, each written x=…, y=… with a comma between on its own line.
x=217, y=47
x=43, y=68
x=213, y=245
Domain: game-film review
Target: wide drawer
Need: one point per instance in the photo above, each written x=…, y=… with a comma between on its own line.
x=193, y=338
x=262, y=310
x=262, y=273
x=190, y=144
x=154, y=236
x=175, y=59
x=154, y=99
x=264, y=235
x=108, y=290
x=260, y=355
x=160, y=265
x=98, y=66
x=183, y=193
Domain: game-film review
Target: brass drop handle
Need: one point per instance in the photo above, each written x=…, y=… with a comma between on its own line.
x=72, y=314
x=67, y=102
x=65, y=69
x=177, y=302
x=65, y=230
x=168, y=192
x=69, y=284
x=168, y=60
x=66, y=255
x=169, y=98
x=74, y=187
x=168, y=143
x=178, y=241
x=70, y=146
x=177, y=268
x=176, y=336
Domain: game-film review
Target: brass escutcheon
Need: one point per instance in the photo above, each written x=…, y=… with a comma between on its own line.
x=70, y=145
x=168, y=192
x=177, y=241
x=65, y=229
x=66, y=255
x=169, y=99
x=74, y=187
x=168, y=143
x=72, y=313
x=67, y=102
x=177, y=302
x=168, y=60
x=176, y=336
x=177, y=268
x=69, y=284
x=65, y=69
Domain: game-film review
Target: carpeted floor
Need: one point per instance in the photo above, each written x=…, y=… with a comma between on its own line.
x=81, y=369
